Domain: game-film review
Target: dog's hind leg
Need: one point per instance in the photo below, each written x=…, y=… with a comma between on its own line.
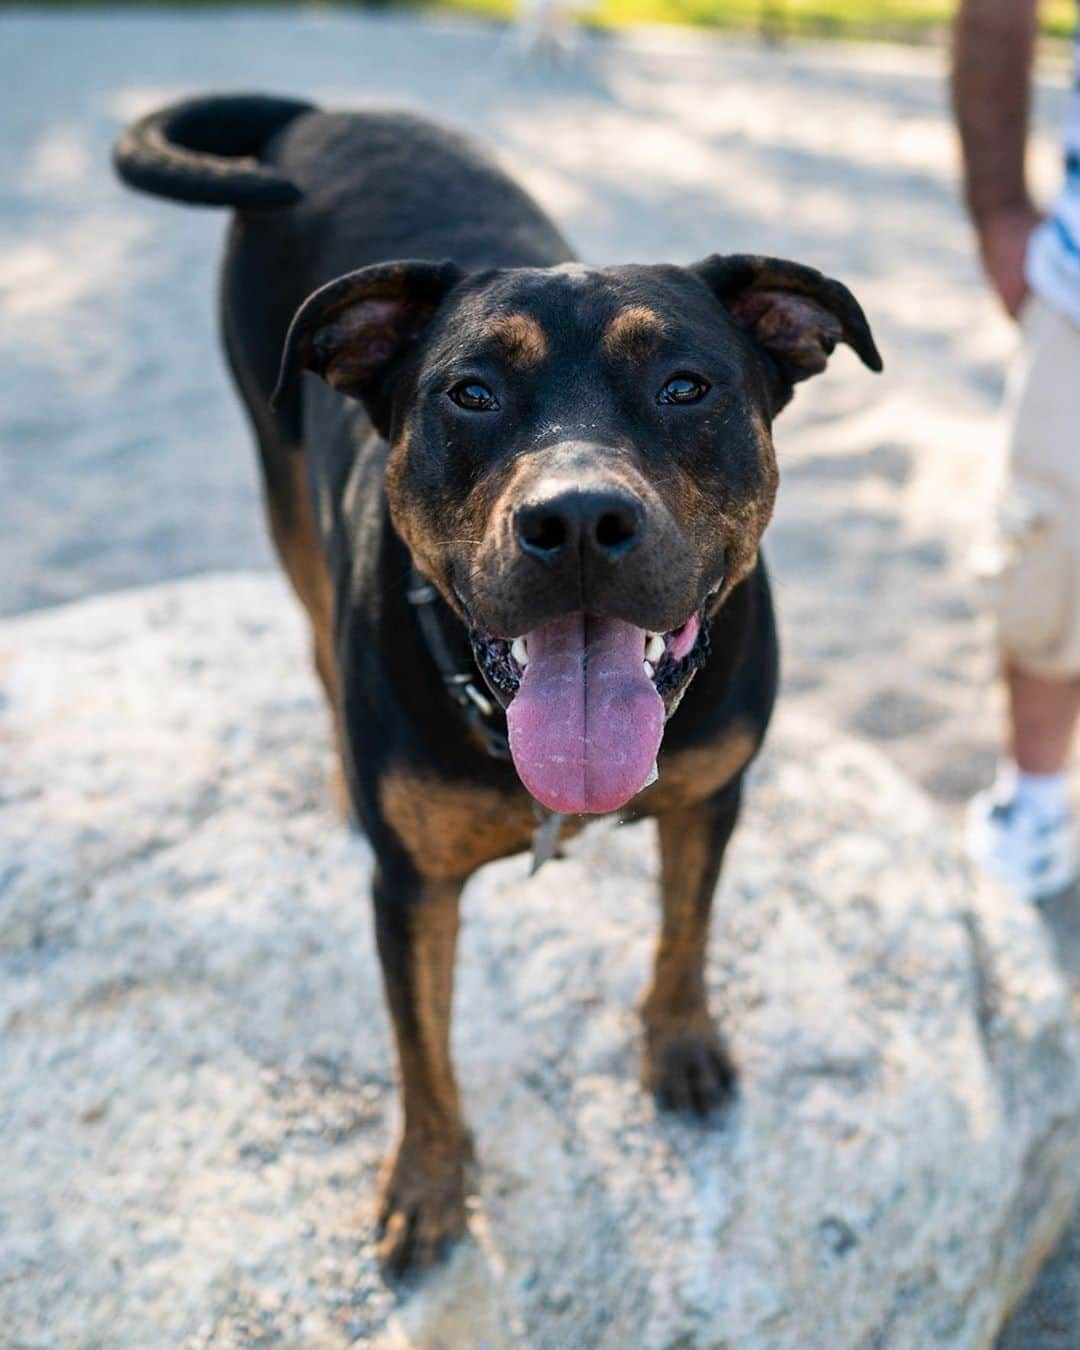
x=421, y=1203
x=293, y=530
x=287, y=500
x=685, y=1062
x=292, y=527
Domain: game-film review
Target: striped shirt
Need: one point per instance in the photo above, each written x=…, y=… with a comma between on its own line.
x=1053, y=259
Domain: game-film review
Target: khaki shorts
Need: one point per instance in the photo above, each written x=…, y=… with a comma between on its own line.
x=1030, y=564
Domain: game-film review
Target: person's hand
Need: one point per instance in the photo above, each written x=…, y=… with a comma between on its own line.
x=1003, y=242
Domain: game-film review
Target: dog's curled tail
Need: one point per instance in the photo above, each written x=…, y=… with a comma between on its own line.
x=206, y=151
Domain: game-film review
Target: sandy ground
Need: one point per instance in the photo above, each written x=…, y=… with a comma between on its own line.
x=125, y=459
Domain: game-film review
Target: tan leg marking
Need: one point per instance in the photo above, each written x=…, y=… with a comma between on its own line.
x=421, y=1200
x=685, y=1063
x=292, y=526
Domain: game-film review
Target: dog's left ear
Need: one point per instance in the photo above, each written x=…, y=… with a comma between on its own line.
x=353, y=330
x=797, y=314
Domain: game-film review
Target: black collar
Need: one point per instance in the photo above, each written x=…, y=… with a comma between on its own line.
x=463, y=683
x=458, y=670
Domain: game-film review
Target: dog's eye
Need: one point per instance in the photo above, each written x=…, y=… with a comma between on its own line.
x=683, y=388
x=474, y=396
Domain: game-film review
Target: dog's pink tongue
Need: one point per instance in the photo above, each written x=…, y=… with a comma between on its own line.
x=586, y=724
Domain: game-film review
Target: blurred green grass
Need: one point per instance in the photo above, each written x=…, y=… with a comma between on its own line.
x=903, y=20
x=912, y=20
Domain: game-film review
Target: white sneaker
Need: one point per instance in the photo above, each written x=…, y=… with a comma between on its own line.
x=1017, y=844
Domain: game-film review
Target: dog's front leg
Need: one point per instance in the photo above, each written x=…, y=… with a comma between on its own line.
x=421, y=1202
x=685, y=1062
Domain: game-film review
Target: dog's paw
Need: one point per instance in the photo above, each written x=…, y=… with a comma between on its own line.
x=421, y=1205
x=687, y=1067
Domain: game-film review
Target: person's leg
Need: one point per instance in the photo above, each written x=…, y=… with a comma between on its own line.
x=1020, y=830
x=1043, y=714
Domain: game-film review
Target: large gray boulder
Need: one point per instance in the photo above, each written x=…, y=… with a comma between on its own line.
x=196, y=1083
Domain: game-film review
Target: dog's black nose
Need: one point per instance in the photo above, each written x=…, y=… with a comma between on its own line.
x=606, y=523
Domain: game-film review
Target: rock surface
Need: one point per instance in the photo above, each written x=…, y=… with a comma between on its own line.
x=196, y=1083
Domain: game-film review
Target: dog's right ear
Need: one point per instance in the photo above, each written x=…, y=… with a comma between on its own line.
x=793, y=312
x=353, y=330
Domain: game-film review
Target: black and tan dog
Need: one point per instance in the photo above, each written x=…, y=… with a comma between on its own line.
x=522, y=508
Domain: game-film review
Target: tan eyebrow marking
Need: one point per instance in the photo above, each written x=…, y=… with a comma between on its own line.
x=518, y=339
x=634, y=333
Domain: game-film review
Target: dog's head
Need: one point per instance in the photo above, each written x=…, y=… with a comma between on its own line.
x=581, y=460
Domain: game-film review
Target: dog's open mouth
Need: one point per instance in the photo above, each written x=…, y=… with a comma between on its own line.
x=587, y=701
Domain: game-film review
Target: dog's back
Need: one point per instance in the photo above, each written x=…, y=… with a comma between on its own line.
x=319, y=194
x=316, y=195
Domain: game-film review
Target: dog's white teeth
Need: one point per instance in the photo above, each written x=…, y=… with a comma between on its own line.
x=654, y=774
x=648, y=669
x=520, y=652
x=654, y=648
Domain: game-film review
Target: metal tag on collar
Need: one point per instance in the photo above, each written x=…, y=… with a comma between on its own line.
x=479, y=700
x=421, y=593
x=465, y=691
x=545, y=836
